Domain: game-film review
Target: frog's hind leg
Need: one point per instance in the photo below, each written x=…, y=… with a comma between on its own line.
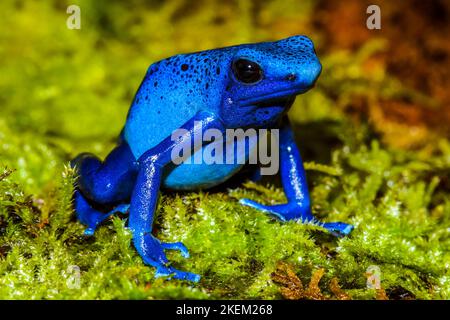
x=92, y=217
x=104, y=184
x=110, y=181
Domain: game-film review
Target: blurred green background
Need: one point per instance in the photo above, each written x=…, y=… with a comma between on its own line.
x=66, y=91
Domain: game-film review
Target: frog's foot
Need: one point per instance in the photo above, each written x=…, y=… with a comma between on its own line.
x=338, y=229
x=294, y=211
x=152, y=252
x=92, y=217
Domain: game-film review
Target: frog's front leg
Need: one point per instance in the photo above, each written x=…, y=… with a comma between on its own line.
x=295, y=187
x=145, y=195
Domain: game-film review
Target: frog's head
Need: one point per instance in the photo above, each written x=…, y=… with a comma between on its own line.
x=264, y=78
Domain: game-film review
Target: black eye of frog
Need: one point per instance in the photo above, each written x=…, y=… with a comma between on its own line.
x=247, y=71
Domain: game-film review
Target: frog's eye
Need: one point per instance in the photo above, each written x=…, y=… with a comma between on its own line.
x=247, y=71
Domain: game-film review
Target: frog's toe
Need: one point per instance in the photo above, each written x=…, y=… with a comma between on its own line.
x=339, y=229
x=176, y=246
x=283, y=212
x=292, y=211
x=250, y=203
x=261, y=207
x=171, y=272
x=89, y=232
x=152, y=251
x=90, y=216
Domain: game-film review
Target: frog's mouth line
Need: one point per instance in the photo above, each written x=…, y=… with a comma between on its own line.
x=284, y=102
x=280, y=98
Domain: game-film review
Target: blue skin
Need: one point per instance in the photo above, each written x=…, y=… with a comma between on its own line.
x=198, y=91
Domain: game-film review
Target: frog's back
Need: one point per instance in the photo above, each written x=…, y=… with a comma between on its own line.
x=172, y=92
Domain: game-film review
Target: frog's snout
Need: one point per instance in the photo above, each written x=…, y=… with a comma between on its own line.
x=291, y=77
x=309, y=73
x=305, y=75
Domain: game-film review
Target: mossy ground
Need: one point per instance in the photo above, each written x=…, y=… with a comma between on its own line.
x=66, y=91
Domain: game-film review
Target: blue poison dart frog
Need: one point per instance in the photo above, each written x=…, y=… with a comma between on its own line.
x=244, y=86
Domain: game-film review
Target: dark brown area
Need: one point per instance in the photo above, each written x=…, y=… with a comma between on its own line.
x=418, y=54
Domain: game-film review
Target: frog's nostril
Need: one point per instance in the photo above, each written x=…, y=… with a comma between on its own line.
x=291, y=77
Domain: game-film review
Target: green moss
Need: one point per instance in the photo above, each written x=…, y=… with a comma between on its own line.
x=398, y=200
